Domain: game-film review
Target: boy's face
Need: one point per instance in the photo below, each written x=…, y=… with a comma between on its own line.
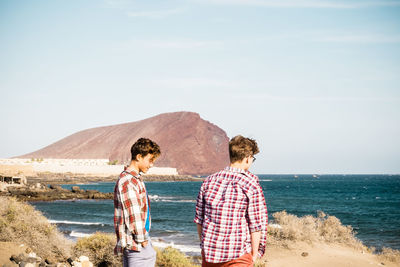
x=145, y=163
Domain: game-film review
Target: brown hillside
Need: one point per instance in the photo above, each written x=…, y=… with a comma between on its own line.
x=188, y=143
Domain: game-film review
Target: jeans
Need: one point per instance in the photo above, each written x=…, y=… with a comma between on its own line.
x=146, y=257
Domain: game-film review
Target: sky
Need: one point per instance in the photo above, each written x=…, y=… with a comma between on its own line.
x=315, y=82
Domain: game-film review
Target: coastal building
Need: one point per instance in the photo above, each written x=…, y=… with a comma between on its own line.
x=95, y=167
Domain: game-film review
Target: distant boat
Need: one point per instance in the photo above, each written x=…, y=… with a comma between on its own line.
x=296, y=176
x=315, y=176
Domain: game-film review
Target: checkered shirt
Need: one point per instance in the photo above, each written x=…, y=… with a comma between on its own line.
x=130, y=212
x=229, y=207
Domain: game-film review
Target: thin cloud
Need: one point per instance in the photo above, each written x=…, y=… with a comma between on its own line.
x=184, y=44
x=303, y=3
x=117, y=4
x=129, y=45
x=190, y=83
x=156, y=14
x=356, y=38
x=270, y=97
x=177, y=44
x=334, y=37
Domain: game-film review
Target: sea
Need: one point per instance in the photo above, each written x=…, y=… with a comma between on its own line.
x=369, y=203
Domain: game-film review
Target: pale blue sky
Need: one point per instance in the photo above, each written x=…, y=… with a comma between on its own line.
x=316, y=83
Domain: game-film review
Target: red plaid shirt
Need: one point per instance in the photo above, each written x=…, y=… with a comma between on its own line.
x=130, y=212
x=230, y=206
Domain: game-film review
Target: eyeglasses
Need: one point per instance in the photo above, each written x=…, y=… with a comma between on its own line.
x=254, y=158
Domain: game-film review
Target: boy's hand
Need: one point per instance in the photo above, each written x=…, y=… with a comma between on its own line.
x=144, y=244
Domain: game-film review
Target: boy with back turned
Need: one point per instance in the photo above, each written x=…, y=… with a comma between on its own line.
x=231, y=214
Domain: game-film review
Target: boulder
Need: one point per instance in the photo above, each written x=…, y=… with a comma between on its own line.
x=3, y=187
x=83, y=261
x=76, y=189
x=26, y=264
x=23, y=180
x=304, y=254
x=18, y=259
x=56, y=187
x=83, y=258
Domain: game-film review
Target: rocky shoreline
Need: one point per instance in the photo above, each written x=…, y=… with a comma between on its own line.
x=28, y=258
x=75, y=178
x=42, y=192
x=44, y=187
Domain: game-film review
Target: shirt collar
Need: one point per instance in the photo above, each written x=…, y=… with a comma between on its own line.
x=232, y=169
x=132, y=172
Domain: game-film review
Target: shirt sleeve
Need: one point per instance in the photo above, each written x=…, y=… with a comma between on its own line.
x=119, y=219
x=199, y=216
x=258, y=216
x=130, y=202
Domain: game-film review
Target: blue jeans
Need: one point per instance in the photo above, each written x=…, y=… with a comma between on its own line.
x=146, y=257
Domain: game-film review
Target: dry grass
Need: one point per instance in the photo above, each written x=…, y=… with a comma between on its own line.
x=100, y=250
x=171, y=257
x=261, y=262
x=310, y=229
x=99, y=247
x=389, y=254
x=21, y=223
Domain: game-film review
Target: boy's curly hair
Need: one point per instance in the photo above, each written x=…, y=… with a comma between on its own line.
x=241, y=147
x=145, y=146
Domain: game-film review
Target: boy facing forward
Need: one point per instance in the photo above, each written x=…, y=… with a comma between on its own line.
x=231, y=214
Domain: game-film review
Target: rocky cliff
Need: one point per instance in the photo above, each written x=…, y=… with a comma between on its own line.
x=188, y=143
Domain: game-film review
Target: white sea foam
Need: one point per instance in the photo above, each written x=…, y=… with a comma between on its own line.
x=72, y=222
x=182, y=248
x=78, y=234
x=158, y=198
x=266, y=180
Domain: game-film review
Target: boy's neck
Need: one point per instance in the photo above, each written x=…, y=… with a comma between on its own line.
x=240, y=165
x=133, y=167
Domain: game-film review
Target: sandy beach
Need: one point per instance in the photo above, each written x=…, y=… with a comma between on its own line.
x=318, y=255
x=326, y=255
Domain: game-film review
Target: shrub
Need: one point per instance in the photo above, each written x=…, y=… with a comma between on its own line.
x=114, y=162
x=99, y=247
x=261, y=262
x=171, y=257
x=21, y=223
x=389, y=254
x=310, y=229
x=100, y=250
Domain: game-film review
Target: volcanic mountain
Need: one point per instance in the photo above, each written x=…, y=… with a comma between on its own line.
x=187, y=142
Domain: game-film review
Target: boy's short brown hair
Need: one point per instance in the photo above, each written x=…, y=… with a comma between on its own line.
x=145, y=146
x=241, y=147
